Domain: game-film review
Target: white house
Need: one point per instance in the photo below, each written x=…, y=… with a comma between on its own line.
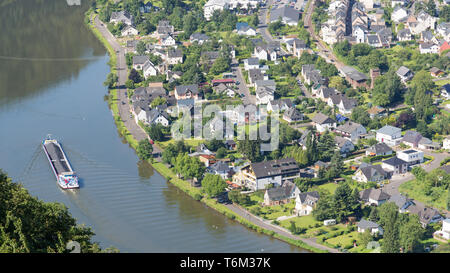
x=129, y=31
x=305, y=203
x=373, y=227
x=428, y=47
x=426, y=20
x=323, y=122
x=411, y=156
x=344, y=145
x=167, y=40
x=213, y=5
x=390, y=135
x=446, y=144
x=149, y=69
x=399, y=14
x=351, y=130
x=370, y=173
x=264, y=95
x=445, y=231
x=251, y=63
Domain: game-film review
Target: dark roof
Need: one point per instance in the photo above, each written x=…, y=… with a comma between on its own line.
x=371, y=170
x=367, y=224
x=275, y=167
x=220, y=167
x=349, y=127
x=412, y=136
x=401, y=201
x=394, y=161
x=182, y=89
x=199, y=37
x=374, y=194
x=285, y=11
x=380, y=148
x=140, y=59
x=281, y=193
x=175, y=53
x=309, y=197
x=293, y=114
x=320, y=118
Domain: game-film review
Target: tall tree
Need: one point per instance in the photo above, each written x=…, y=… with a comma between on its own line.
x=213, y=184
x=388, y=213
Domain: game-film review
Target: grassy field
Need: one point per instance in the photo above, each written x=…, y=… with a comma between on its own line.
x=415, y=189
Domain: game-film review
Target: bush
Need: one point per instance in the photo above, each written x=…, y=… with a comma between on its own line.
x=198, y=196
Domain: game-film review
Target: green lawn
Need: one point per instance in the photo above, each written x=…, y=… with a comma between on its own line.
x=301, y=221
x=415, y=189
x=191, y=142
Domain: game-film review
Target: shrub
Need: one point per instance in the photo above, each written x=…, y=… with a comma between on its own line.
x=198, y=196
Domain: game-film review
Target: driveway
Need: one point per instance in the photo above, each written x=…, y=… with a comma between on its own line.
x=242, y=86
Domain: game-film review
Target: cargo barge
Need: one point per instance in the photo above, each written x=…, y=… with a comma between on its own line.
x=65, y=176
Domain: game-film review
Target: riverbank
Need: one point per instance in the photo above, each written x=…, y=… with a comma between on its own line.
x=162, y=169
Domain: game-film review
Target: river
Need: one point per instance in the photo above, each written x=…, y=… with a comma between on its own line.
x=52, y=70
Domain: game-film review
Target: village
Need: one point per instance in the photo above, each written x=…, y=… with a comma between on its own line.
x=360, y=90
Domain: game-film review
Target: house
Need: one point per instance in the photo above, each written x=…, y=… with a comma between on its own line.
x=377, y=112
x=305, y=203
x=399, y=14
x=220, y=168
x=351, y=130
x=426, y=20
x=446, y=143
x=405, y=74
x=411, y=156
x=121, y=16
x=428, y=47
x=281, y=195
x=443, y=29
x=224, y=89
x=139, y=61
x=209, y=57
x=379, y=149
x=370, y=173
x=345, y=105
x=164, y=28
x=149, y=69
x=230, y=144
x=264, y=52
x=296, y=46
x=129, y=31
x=373, y=40
x=436, y=72
x=156, y=116
x=344, y=145
x=167, y=40
x=213, y=5
x=426, y=215
x=198, y=37
x=325, y=93
x=373, y=227
x=227, y=82
x=412, y=138
x=251, y=63
x=445, y=91
x=243, y=28
x=183, y=92
x=390, y=135
x=395, y=165
x=146, y=7
x=426, y=36
x=445, y=230
x=323, y=122
x=255, y=75
x=257, y=175
x=267, y=83
x=426, y=144
x=374, y=196
x=354, y=77
x=264, y=94
x=174, y=56
x=293, y=115
x=286, y=14
x=279, y=105
x=404, y=35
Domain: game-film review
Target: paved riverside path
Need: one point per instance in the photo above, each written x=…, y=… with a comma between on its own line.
x=124, y=107
x=265, y=224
